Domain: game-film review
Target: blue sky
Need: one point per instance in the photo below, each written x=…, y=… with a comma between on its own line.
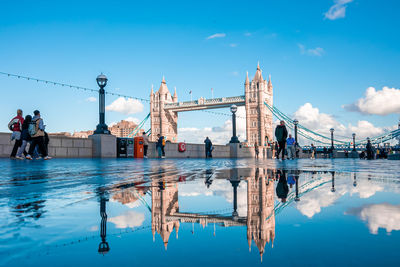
x=326, y=59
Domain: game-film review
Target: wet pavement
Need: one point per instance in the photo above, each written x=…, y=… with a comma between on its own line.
x=196, y=212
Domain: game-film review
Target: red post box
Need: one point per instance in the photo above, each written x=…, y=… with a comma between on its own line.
x=138, y=147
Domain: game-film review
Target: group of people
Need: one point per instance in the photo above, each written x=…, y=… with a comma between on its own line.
x=29, y=130
x=284, y=141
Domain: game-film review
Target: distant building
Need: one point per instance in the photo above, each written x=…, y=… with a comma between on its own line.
x=68, y=134
x=124, y=128
x=82, y=134
x=120, y=129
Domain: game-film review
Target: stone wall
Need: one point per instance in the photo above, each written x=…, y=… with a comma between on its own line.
x=192, y=151
x=59, y=146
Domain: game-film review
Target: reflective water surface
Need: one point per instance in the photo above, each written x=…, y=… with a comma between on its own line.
x=84, y=212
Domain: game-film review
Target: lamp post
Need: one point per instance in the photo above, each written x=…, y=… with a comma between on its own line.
x=234, y=138
x=332, y=130
x=101, y=128
x=296, y=145
x=354, y=142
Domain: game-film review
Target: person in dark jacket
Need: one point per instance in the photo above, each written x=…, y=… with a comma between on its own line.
x=370, y=152
x=160, y=146
x=25, y=137
x=281, y=134
x=282, y=188
x=208, y=146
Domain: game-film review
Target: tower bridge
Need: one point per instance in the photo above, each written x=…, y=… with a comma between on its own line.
x=164, y=109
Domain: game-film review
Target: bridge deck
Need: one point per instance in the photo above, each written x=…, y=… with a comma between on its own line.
x=203, y=103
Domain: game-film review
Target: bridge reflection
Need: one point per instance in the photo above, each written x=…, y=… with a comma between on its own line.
x=259, y=220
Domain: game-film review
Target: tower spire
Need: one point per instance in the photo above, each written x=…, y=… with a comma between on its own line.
x=247, y=78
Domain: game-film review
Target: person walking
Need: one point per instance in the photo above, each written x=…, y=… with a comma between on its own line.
x=160, y=146
x=290, y=142
x=15, y=125
x=208, y=146
x=145, y=144
x=36, y=130
x=25, y=137
x=256, y=149
x=370, y=152
x=313, y=151
x=281, y=134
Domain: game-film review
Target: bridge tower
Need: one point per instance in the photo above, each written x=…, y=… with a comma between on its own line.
x=163, y=122
x=260, y=210
x=258, y=116
x=164, y=199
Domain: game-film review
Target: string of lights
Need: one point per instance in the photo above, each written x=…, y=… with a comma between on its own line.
x=92, y=90
x=68, y=85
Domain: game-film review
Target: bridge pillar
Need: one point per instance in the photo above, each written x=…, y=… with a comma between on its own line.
x=259, y=128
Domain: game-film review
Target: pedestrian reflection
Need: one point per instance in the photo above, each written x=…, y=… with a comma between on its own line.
x=282, y=188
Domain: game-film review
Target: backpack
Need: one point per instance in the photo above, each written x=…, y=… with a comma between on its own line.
x=12, y=123
x=163, y=141
x=32, y=128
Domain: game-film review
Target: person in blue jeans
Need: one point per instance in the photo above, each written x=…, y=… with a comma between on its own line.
x=291, y=147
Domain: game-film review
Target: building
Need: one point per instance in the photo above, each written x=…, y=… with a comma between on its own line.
x=163, y=122
x=258, y=116
x=124, y=128
x=82, y=134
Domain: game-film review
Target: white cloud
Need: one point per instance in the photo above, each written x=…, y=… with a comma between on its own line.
x=233, y=45
x=219, y=134
x=312, y=202
x=248, y=34
x=216, y=35
x=338, y=10
x=91, y=99
x=313, y=119
x=383, y=102
x=318, y=51
x=385, y=215
x=128, y=219
x=125, y=106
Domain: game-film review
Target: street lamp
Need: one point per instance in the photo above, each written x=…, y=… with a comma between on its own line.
x=295, y=122
x=234, y=138
x=332, y=130
x=101, y=128
x=354, y=142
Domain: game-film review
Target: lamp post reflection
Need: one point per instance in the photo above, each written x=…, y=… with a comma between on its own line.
x=104, y=248
x=333, y=182
x=297, y=198
x=235, y=180
x=355, y=180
